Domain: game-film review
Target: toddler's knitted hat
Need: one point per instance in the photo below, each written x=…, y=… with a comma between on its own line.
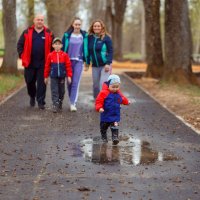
x=113, y=78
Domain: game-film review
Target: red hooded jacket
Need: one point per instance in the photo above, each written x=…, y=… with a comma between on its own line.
x=24, y=45
x=58, y=65
x=110, y=102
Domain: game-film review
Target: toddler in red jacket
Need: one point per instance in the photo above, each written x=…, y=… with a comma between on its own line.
x=108, y=104
x=58, y=66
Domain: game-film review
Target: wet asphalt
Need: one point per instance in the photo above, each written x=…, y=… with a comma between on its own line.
x=60, y=156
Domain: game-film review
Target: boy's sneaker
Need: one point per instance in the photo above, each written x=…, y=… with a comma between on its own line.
x=60, y=105
x=55, y=109
x=73, y=108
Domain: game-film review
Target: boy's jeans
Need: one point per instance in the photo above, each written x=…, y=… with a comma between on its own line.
x=57, y=90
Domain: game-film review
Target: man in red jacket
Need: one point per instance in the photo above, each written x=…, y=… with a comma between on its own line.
x=33, y=47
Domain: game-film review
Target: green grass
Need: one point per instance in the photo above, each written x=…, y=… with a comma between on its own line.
x=9, y=82
x=192, y=91
x=1, y=52
x=132, y=56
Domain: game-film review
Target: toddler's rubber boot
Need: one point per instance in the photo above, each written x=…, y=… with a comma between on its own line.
x=104, y=137
x=115, y=138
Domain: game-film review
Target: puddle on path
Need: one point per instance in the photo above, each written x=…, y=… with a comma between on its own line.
x=130, y=151
x=86, y=98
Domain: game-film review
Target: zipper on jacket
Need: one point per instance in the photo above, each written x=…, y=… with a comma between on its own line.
x=58, y=65
x=95, y=40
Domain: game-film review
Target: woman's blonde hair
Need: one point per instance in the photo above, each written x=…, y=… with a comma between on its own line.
x=103, y=30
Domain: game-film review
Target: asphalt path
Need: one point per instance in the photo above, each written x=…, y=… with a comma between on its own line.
x=60, y=156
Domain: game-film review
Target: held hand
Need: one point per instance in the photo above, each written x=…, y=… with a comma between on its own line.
x=101, y=110
x=107, y=68
x=46, y=81
x=69, y=80
x=86, y=67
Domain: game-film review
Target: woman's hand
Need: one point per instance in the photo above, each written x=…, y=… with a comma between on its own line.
x=107, y=68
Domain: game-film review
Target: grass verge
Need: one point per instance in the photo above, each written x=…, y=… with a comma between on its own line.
x=9, y=83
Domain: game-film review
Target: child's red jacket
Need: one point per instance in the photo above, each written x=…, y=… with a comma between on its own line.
x=110, y=102
x=58, y=65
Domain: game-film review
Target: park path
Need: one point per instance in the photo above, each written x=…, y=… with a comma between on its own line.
x=61, y=157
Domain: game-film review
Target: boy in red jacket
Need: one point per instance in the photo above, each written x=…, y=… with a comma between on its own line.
x=58, y=66
x=108, y=104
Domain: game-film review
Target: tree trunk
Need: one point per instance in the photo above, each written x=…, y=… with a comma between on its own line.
x=30, y=12
x=120, y=8
x=97, y=10
x=109, y=17
x=60, y=14
x=154, y=56
x=9, y=64
x=143, y=40
x=197, y=44
x=178, y=43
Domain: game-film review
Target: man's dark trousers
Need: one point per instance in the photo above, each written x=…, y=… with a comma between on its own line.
x=33, y=76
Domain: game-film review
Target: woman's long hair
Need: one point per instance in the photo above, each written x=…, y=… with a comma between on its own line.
x=103, y=29
x=71, y=28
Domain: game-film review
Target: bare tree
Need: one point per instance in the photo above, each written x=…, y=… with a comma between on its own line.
x=115, y=10
x=109, y=16
x=9, y=64
x=154, y=55
x=195, y=25
x=60, y=14
x=178, y=43
x=143, y=38
x=97, y=9
x=30, y=17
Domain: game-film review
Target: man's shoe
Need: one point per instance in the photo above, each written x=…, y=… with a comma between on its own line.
x=41, y=106
x=32, y=101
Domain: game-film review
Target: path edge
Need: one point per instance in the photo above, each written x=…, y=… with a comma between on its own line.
x=163, y=105
x=12, y=94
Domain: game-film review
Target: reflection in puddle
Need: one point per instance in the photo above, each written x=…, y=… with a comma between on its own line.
x=130, y=151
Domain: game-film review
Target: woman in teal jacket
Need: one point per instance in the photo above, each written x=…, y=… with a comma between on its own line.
x=100, y=54
x=75, y=43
